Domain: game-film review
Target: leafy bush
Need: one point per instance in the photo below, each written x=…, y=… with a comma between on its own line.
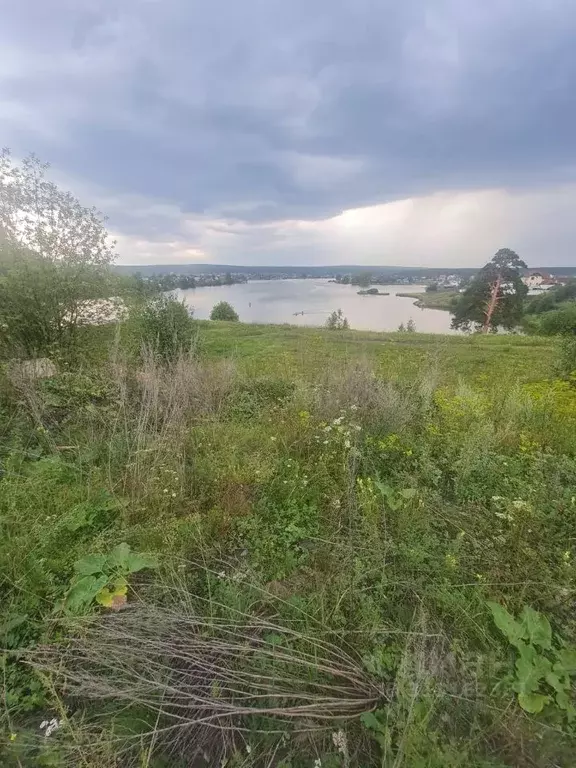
x=224, y=311
x=337, y=322
x=567, y=357
x=410, y=327
x=544, y=665
x=559, y=321
x=42, y=303
x=165, y=326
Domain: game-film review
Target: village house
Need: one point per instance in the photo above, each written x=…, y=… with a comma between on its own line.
x=535, y=279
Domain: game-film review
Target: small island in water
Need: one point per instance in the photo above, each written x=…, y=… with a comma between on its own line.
x=372, y=292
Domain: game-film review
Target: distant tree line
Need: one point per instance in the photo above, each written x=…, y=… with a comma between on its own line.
x=366, y=279
x=172, y=281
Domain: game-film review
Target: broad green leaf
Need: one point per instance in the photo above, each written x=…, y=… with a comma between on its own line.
x=566, y=661
x=408, y=493
x=385, y=490
x=532, y=702
x=118, y=558
x=537, y=626
x=108, y=596
x=563, y=700
x=84, y=591
x=137, y=562
x=506, y=623
x=80, y=516
x=369, y=720
x=90, y=564
x=554, y=682
x=526, y=651
x=528, y=676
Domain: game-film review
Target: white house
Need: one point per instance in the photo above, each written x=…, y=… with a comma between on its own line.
x=533, y=279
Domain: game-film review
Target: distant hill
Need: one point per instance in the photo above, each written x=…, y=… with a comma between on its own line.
x=311, y=271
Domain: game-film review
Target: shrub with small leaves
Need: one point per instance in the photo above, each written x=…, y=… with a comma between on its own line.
x=337, y=322
x=165, y=325
x=224, y=311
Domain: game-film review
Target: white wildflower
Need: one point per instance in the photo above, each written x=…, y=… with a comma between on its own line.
x=173, y=495
x=340, y=741
x=347, y=443
x=49, y=726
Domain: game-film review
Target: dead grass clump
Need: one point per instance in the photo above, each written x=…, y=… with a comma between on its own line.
x=203, y=680
x=376, y=401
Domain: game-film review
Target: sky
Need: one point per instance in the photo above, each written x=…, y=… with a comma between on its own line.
x=417, y=133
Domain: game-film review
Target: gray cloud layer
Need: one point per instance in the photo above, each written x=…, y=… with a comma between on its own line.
x=212, y=128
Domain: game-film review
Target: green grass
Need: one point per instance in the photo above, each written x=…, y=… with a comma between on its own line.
x=332, y=515
x=305, y=352
x=433, y=299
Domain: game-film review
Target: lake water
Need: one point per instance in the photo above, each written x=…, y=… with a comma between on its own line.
x=277, y=301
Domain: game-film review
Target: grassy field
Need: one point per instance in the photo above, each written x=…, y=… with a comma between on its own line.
x=289, y=547
x=306, y=352
x=433, y=299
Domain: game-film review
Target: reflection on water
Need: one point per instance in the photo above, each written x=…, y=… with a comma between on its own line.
x=278, y=301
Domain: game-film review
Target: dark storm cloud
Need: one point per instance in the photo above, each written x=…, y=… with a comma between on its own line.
x=267, y=110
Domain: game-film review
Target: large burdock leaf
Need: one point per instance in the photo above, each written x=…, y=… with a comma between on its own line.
x=537, y=626
x=506, y=623
x=91, y=564
x=127, y=561
x=83, y=592
x=114, y=596
x=533, y=702
x=138, y=561
x=118, y=558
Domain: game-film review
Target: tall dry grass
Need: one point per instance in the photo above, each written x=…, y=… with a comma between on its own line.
x=156, y=408
x=203, y=676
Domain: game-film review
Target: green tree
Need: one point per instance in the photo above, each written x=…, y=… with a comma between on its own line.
x=165, y=326
x=363, y=280
x=53, y=262
x=43, y=303
x=494, y=297
x=337, y=322
x=224, y=311
x=36, y=214
x=559, y=322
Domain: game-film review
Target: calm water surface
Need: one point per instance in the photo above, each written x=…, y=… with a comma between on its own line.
x=277, y=301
